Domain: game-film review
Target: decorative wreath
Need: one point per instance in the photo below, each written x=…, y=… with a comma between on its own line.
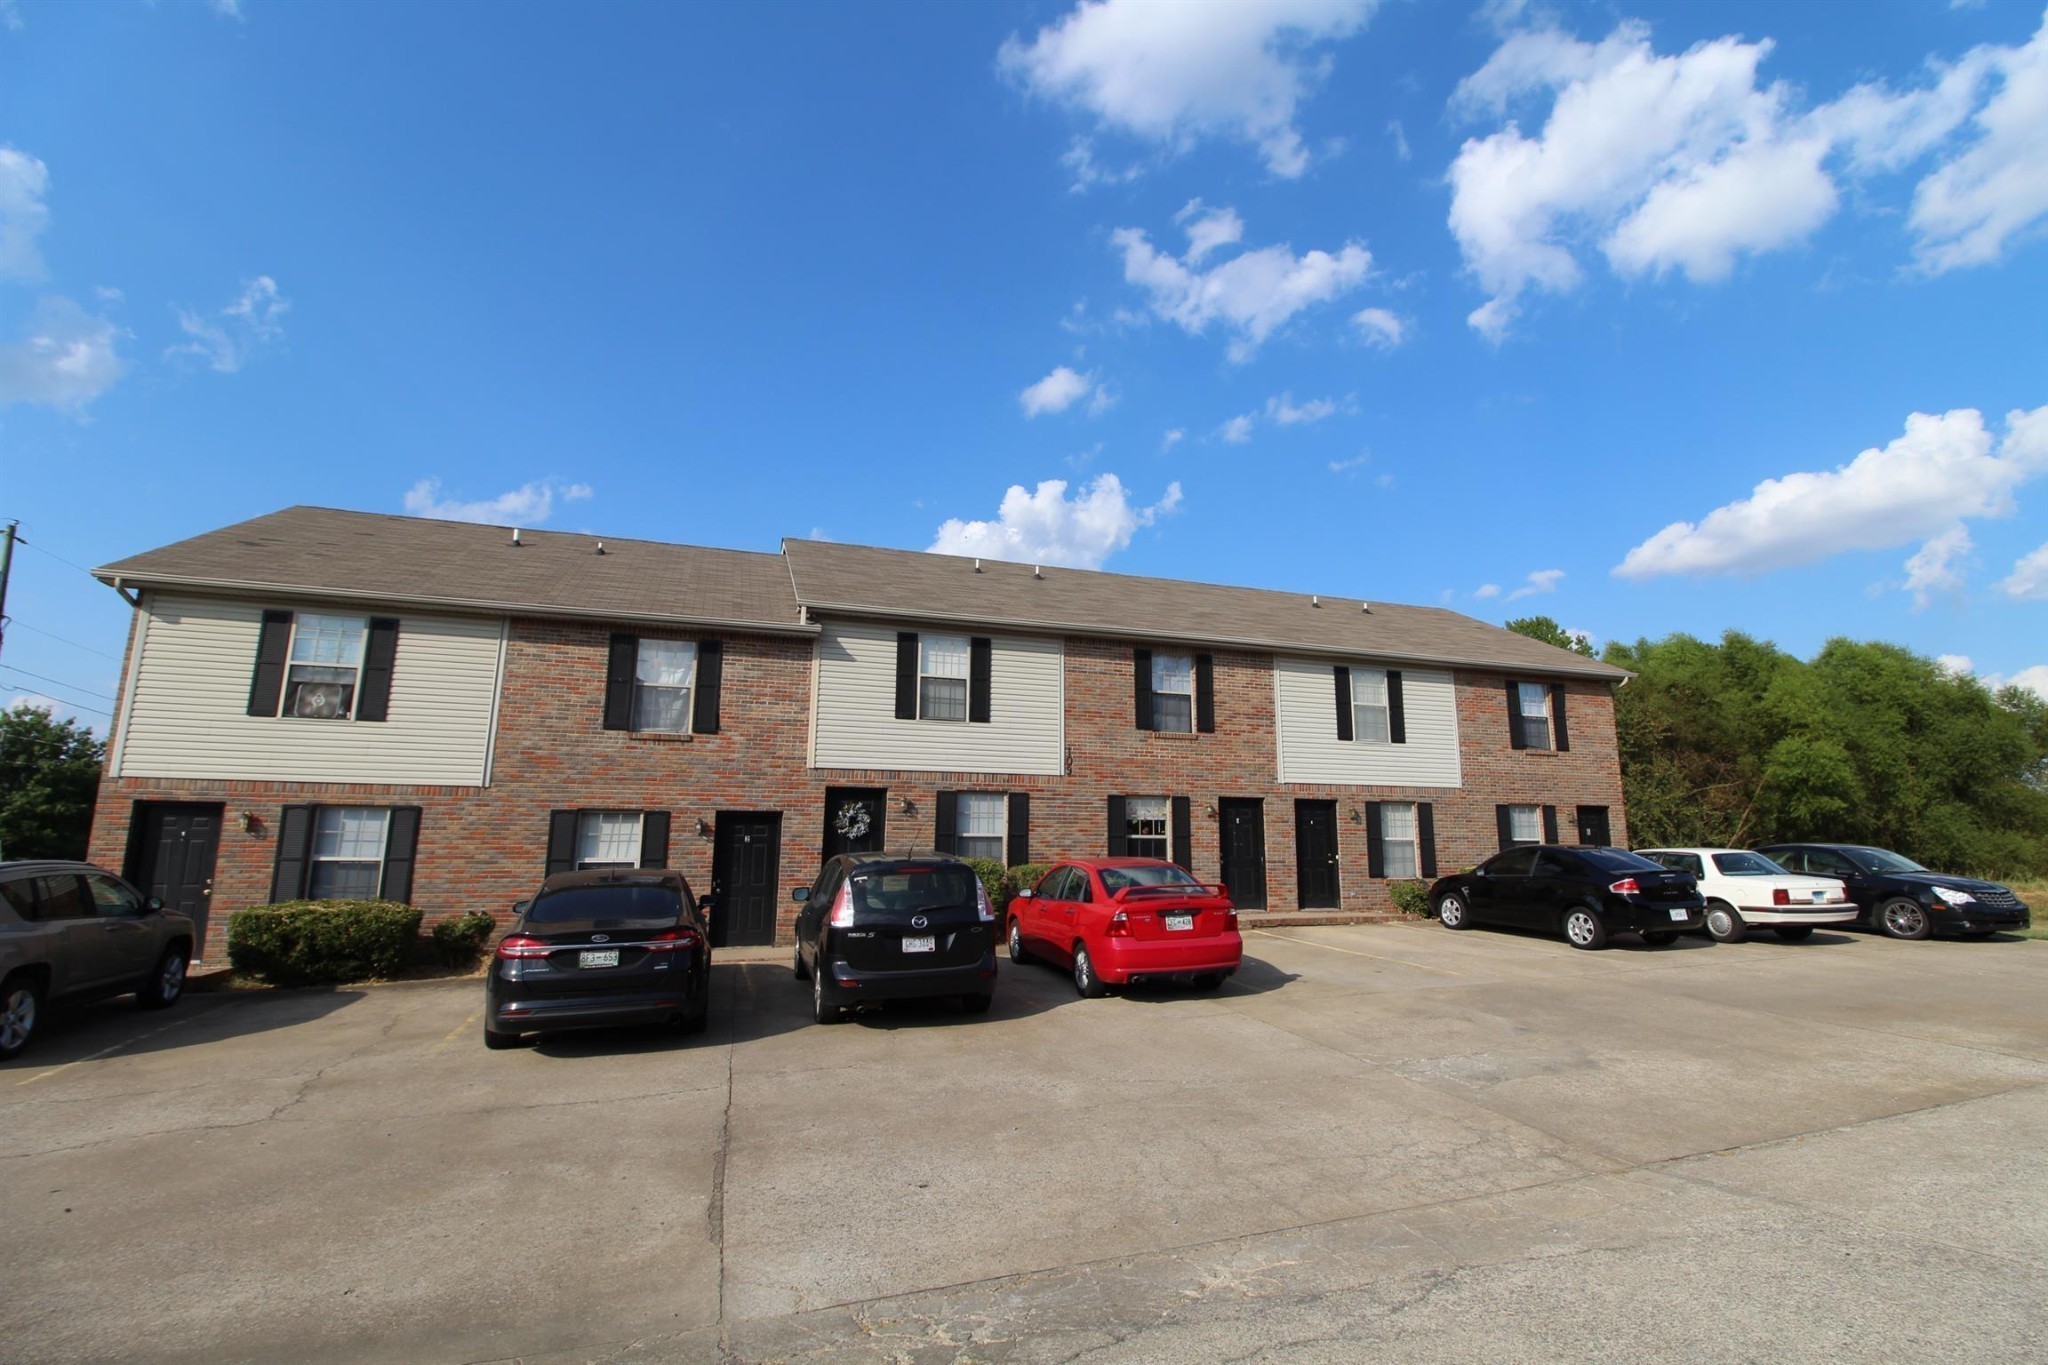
x=853, y=820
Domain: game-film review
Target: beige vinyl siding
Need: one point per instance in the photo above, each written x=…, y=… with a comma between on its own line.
x=854, y=709
x=1305, y=698
x=188, y=704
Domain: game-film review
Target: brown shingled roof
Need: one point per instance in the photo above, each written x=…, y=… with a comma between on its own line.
x=833, y=579
x=323, y=552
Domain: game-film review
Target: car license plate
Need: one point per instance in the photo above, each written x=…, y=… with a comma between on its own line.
x=1180, y=921
x=1681, y=914
x=928, y=944
x=598, y=957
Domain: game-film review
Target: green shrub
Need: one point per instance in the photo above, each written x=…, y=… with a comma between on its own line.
x=1411, y=898
x=991, y=872
x=298, y=943
x=1020, y=878
x=460, y=938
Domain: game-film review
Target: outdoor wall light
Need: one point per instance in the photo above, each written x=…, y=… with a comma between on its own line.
x=1210, y=810
x=908, y=806
x=703, y=828
x=252, y=823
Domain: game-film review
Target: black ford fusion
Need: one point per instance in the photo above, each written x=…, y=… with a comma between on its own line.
x=596, y=948
x=1584, y=893
x=1897, y=896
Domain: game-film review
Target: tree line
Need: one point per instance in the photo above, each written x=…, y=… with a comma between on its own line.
x=1740, y=743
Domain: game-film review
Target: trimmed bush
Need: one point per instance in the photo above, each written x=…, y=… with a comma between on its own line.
x=1411, y=898
x=991, y=871
x=460, y=938
x=1019, y=878
x=299, y=943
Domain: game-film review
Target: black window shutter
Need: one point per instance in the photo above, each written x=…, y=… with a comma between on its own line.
x=1550, y=824
x=561, y=841
x=1515, y=717
x=1205, y=693
x=946, y=821
x=906, y=675
x=1020, y=828
x=401, y=843
x=1141, y=686
x=980, y=675
x=1119, y=828
x=1183, y=835
x=294, y=849
x=1560, y=734
x=620, y=671
x=266, y=685
x=1375, y=842
x=1397, y=709
x=704, y=702
x=1343, y=675
x=373, y=699
x=654, y=838
x=1507, y=835
x=1425, y=837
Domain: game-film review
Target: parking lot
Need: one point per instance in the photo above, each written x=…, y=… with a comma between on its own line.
x=1375, y=1142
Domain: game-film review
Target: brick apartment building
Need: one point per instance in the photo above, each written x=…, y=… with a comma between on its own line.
x=321, y=702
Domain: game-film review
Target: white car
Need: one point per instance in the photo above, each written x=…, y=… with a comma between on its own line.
x=1745, y=890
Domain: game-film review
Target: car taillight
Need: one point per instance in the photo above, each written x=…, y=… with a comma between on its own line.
x=524, y=946
x=1627, y=886
x=673, y=940
x=1119, y=925
x=1780, y=896
x=842, y=907
x=1230, y=919
x=982, y=908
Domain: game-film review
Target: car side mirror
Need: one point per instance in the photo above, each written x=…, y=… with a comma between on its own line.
x=799, y=893
x=1024, y=894
x=519, y=907
x=152, y=905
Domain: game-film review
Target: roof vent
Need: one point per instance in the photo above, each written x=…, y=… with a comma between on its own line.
x=1037, y=571
x=600, y=547
x=515, y=535
x=977, y=566
x=1315, y=601
x=1365, y=607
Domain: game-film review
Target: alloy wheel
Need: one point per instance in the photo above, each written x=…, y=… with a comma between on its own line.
x=17, y=1018
x=1904, y=919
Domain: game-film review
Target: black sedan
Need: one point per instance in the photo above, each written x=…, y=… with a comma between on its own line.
x=1584, y=893
x=1903, y=899
x=601, y=947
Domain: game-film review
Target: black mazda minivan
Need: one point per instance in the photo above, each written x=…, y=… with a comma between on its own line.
x=881, y=926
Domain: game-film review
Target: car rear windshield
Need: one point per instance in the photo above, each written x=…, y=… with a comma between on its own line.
x=1115, y=879
x=1746, y=865
x=935, y=887
x=620, y=904
x=1615, y=860
x=1882, y=860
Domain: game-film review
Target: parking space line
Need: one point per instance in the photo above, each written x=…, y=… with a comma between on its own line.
x=1397, y=961
x=451, y=1034
x=110, y=1051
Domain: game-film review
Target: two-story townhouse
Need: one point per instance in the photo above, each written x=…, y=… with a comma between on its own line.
x=322, y=703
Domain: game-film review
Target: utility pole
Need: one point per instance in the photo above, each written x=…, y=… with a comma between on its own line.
x=6, y=563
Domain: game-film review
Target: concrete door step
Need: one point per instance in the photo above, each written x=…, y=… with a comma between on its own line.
x=1297, y=919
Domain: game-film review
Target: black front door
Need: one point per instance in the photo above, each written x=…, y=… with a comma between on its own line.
x=1315, y=854
x=854, y=819
x=1243, y=839
x=1593, y=826
x=746, y=868
x=171, y=849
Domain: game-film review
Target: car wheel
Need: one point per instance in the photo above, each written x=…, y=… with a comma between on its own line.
x=1723, y=924
x=21, y=1004
x=166, y=983
x=1584, y=930
x=498, y=1042
x=1794, y=933
x=1452, y=912
x=796, y=964
x=1903, y=918
x=1085, y=979
x=1660, y=938
x=977, y=1003
x=1018, y=952
x=821, y=1011
x=1208, y=981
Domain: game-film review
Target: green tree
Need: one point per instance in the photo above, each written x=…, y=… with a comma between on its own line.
x=49, y=778
x=1551, y=633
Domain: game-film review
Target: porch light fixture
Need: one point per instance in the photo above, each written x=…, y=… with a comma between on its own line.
x=252, y=823
x=906, y=806
x=703, y=828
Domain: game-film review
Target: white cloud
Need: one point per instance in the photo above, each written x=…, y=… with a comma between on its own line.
x=1237, y=430
x=1400, y=136
x=1047, y=527
x=2028, y=580
x=1943, y=469
x=1936, y=568
x=1380, y=327
x=2034, y=678
x=65, y=358
x=10, y=16
x=1283, y=410
x=1352, y=465
x=1169, y=72
x=1540, y=582
x=530, y=504
x=24, y=180
x=244, y=329
x=1172, y=438
x=1486, y=590
x=1079, y=158
x=1968, y=211
x=1056, y=392
x=1254, y=293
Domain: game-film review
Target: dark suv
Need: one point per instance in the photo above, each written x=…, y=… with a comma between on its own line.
x=878, y=926
x=72, y=931
x=1902, y=898
x=593, y=948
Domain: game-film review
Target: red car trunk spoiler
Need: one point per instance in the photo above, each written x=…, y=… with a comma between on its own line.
x=1175, y=891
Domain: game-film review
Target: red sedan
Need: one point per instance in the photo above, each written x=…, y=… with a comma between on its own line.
x=1120, y=920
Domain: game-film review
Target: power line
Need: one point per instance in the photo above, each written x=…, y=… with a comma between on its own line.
x=81, y=706
x=58, y=682
x=13, y=624
x=20, y=540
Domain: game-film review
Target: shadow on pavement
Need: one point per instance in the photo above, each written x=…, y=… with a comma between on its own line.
x=71, y=1032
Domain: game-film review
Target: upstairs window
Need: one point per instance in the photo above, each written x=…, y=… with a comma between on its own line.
x=1173, y=693
x=1532, y=715
x=347, y=858
x=1371, y=717
x=942, y=677
x=324, y=667
x=662, y=677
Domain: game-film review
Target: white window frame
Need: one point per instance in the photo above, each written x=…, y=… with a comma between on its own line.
x=940, y=670
x=643, y=689
x=1163, y=836
x=1372, y=722
x=1408, y=846
x=1169, y=667
x=349, y=635
x=1524, y=693
x=595, y=827
x=963, y=833
x=1535, y=836
x=347, y=849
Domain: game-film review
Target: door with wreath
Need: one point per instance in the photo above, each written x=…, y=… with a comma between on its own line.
x=854, y=819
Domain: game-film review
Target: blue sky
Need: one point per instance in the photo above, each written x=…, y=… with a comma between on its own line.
x=1646, y=317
